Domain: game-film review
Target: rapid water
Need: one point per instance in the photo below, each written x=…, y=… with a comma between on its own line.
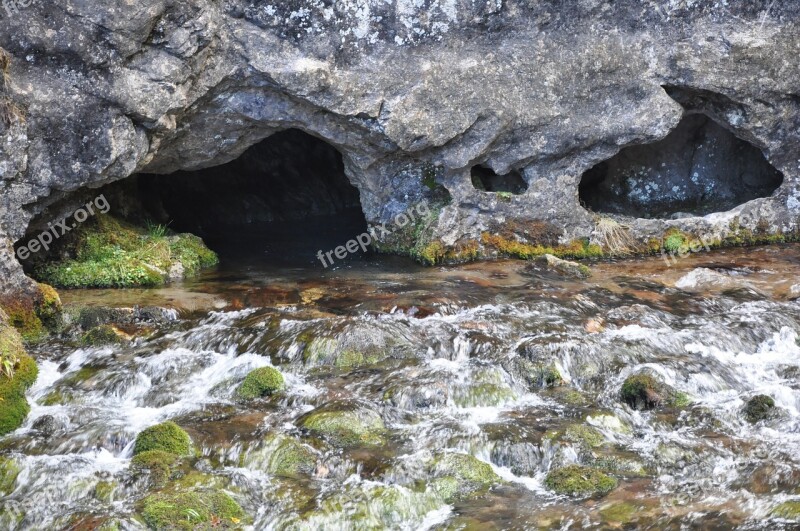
x=443, y=367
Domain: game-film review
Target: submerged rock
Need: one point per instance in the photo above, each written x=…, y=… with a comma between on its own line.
x=759, y=408
x=459, y=475
x=345, y=425
x=580, y=481
x=565, y=267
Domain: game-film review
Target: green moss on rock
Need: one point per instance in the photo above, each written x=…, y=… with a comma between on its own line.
x=641, y=391
x=758, y=408
x=788, y=510
x=585, y=435
x=346, y=427
x=157, y=463
x=192, y=511
x=167, y=437
x=579, y=481
x=102, y=335
x=291, y=458
x=109, y=253
x=8, y=475
x=264, y=381
x=460, y=475
x=13, y=404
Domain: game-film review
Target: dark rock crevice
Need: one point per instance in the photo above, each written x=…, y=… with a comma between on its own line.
x=698, y=169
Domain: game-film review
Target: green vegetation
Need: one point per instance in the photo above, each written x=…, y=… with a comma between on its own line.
x=460, y=475
x=346, y=428
x=109, y=253
x=788, y=510
x=157, y=463
x=758, y=408
x=576, y=480
x=506, y=246
x=191, y=511
x=261, y=382
x=167, y=437
x=102, y=335
x=675, y=241
x=641, y=391
x=8, y=475
x=18, y=372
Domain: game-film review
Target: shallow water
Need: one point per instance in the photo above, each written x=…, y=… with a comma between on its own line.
x=442, y=365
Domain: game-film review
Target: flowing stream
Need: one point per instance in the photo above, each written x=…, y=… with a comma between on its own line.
x=442, y=357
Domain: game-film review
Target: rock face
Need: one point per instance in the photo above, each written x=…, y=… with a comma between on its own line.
x=414, y=95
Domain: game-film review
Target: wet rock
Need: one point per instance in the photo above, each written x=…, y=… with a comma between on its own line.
x=580, y=481
x=104, y=335
x=49, y=425
x=703, y=279
x=643, y=392
x=459, y=475
x=167, y=437
x=565, y=267
x=522, y=458
x=789, y=510
x=8, y=475
x=261, y=382
x=345, y=425
x=794, y=292
x=192, y=510
x=758, y=408
x=283, y=456
x=158, y=464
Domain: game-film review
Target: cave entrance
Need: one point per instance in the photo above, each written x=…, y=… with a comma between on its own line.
x=486, y=180
x=699, y=168
x=283, y=199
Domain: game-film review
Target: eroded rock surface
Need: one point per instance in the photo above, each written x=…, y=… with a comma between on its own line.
x=414, y=96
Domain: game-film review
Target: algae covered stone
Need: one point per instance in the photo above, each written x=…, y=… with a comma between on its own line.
x=460, y=475
x=192, y=511
x=17, y=373
x=580, y=481
x=8, y=475
x=167, y=437
x=788, y=510
x=758, y=408
x=102, y=335
x=157, y=463
x=261, y=382
x=643, y=392
x=346, y=426
x=283, y=456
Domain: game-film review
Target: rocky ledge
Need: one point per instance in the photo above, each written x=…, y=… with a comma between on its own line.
x=524, y=126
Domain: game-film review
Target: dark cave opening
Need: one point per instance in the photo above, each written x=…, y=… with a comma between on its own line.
x=281, y=201
x=698, y=169
x=289, y=193
x=486, y=180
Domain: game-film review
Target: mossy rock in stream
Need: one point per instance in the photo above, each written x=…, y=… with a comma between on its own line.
x=109, y=253
x=282, y=456
x=192, y=511
x=345, y=426
x=261, y=382
x=167, y=437
x=9, y=470
x=103, y=335
x=14, y=405
x=460, y=475
x=758, y=408
x=788, y=510
x=580, y=481
x=644, y=391
x=157, y=463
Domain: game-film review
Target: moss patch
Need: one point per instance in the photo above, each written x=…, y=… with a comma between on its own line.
x=109, y=253
x=157, y=463
x=576, y=480
x=192, y=511
x=758, y=408
x=346, y=428
x=102, y=335
x=167, y=437
x=17, y=373
x=641, y=391
x=8, y=475
x=461, y=475
x=789, y=510
x=261, y=382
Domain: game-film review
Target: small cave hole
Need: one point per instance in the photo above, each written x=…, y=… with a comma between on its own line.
x=698, y=169
x=486, y=180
